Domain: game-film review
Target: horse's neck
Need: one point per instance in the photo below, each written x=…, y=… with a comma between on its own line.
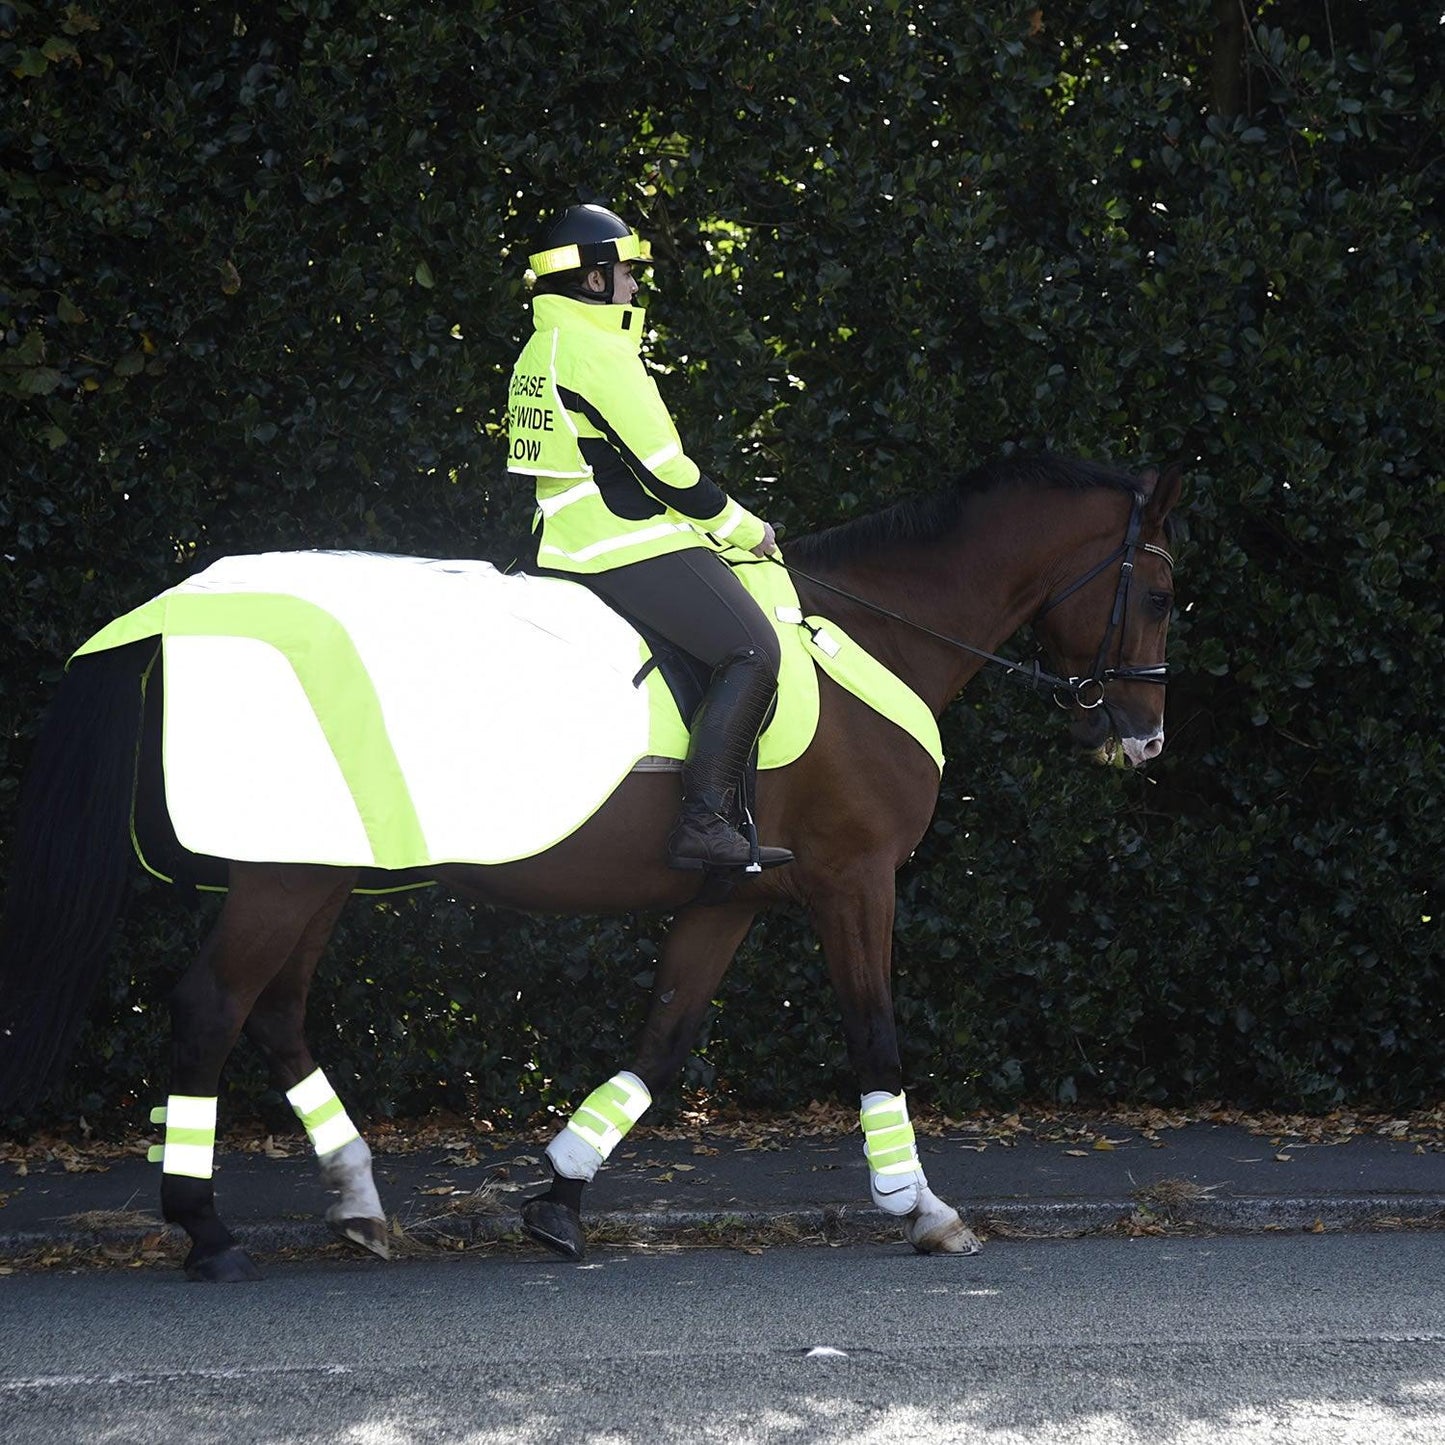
x=978, y=586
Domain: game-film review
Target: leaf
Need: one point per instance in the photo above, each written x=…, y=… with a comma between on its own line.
x=1283, y=1158
x=424, y=276
x=78, y=21
x=58, y=48
x=32, y=63
x=1077, y=1153
x=38, y=381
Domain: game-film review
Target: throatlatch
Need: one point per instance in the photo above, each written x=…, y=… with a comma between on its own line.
x=600, y=1124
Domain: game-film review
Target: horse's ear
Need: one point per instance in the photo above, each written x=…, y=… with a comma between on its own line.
x=1162, y=492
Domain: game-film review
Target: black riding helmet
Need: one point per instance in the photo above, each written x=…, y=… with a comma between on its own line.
x=582, y=239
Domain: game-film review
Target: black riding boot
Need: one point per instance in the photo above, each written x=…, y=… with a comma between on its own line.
x=724, y=731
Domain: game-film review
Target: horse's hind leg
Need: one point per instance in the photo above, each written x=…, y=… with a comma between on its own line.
x=277, y=1027
x=695, y=955
x=266, y=913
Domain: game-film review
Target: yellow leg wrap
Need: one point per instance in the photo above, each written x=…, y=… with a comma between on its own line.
x=888, y=1135
x=599, y=1126
x=190, y=1146
x=327, y=1123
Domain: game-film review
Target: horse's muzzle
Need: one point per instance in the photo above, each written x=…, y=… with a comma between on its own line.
x=1108, y=738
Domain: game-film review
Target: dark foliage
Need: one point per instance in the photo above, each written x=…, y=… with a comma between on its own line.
x=260, y=285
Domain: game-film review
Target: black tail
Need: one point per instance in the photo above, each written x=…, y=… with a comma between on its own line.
x=71, y=861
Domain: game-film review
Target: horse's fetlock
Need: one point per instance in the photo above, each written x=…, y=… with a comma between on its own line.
x=183, y=1198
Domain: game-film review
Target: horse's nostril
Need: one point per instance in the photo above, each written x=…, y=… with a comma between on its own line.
x=1154, y=747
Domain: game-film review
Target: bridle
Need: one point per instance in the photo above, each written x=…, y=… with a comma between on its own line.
x=1069, y=692
x=1084, y=692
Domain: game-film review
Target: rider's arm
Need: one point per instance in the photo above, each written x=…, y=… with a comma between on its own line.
x=623, y=403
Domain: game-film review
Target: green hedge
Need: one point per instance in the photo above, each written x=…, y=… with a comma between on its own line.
x=261, y=274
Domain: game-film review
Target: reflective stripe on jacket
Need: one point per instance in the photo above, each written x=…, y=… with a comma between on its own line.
x=586, y=422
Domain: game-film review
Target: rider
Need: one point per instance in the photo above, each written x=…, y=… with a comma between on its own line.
x=621, y=507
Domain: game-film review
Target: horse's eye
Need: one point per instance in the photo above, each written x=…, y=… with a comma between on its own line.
x=1161, y=602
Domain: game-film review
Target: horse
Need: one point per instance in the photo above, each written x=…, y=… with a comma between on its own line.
x=930, y=586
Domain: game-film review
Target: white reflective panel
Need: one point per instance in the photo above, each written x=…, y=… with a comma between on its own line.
x=249, y=773
x=508, y=701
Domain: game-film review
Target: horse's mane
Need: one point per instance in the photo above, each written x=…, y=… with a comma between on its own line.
x=934, y=514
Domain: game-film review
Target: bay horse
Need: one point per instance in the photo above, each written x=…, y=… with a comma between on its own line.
x=929, y=586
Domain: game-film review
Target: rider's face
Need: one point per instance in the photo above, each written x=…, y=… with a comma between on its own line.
x=624, y=284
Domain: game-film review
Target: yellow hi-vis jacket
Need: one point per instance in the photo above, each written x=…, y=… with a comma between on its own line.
x=585, y=420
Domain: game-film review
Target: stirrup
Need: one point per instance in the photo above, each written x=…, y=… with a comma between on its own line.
x=716, y=846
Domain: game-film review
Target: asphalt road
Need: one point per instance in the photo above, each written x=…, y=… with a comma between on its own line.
x=1279, y=1338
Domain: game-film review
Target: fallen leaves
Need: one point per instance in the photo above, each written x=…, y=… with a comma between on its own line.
x=705, y=1129
x=1170, y=1196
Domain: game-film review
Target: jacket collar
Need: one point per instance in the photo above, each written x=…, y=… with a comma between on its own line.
x=551, y=312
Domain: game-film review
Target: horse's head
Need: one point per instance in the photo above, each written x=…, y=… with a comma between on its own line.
x=1104, y=631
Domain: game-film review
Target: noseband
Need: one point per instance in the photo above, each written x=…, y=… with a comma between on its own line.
x=1085, y=692
x=1088, y=692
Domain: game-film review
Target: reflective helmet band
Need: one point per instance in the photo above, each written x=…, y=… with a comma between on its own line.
x=600, y=253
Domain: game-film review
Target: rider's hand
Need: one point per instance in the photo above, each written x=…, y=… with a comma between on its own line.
x=769, y=544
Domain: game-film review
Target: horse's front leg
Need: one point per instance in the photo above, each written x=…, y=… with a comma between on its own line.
x=853, y=913
x=695, y=955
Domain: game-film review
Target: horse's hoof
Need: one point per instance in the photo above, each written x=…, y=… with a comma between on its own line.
x=952, y=1236
x=554, y=1225
x=231, y=1266
x=370, y=1234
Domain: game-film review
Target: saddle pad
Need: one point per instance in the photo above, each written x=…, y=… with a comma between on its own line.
x=389, y=712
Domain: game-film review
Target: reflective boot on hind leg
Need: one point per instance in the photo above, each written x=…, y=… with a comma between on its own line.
x=277, y=1027
x=262, y=921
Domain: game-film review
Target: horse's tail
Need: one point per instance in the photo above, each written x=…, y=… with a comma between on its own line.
x=70, y=864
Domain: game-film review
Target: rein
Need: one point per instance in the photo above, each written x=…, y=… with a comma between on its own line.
x=1066, y=691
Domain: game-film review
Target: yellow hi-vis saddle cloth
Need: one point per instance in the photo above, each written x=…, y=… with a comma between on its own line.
x=391, y=712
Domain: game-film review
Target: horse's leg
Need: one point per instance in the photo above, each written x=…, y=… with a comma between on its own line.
x=853, y=913
x=695, y=955
x=266, y=912
x=277, y=1027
